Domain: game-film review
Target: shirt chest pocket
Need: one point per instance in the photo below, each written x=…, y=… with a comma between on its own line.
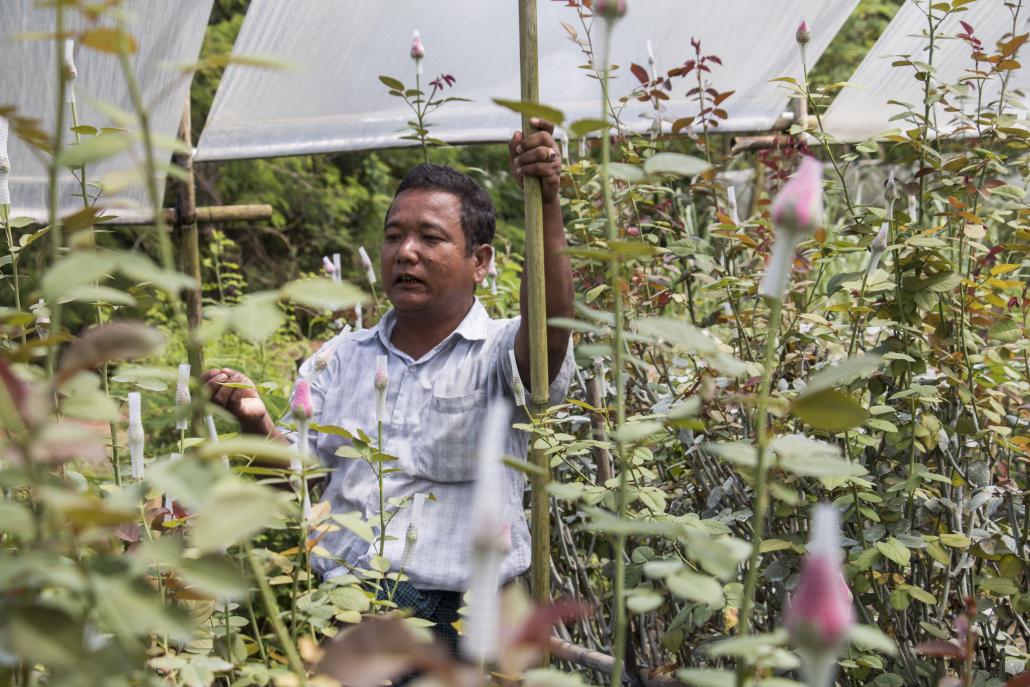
x=451, y=424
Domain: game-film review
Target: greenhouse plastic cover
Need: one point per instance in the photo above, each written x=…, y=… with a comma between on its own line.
x=332, y=100
x=169, y=35
x=862, y=111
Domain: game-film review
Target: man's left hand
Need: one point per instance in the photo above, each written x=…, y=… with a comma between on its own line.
x=537, y=155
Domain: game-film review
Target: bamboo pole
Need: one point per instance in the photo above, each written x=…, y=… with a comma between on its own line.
x=186, y=227
x=540, y=524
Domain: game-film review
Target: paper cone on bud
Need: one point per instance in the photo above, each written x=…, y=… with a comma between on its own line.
x=5, y=163
x=70, y=72
x=135, y=435
x=182, y=397
x=366, y=262
x=328, y=265
x=490, y=539
x=797, y=212
x=820, y=612
x=380, y=382
x=877, y=248
x=418, y=50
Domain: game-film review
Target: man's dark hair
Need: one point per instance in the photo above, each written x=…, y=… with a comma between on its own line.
x=477, y=210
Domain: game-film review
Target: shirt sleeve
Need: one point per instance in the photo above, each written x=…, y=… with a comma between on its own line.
x=510, y=372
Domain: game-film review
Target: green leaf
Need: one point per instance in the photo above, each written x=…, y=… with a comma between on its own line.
x=643, y=600
x=955, y=540
x=807, y=457
x=696, y=587
x=94, y=149
x=633, y=432
x=44, y=635
x=998, y=585
x=74, y=270
x=747, y=646
x=545, y=112
x=392, y=83
x=1005, y=330
x=323, y=294
x=872, y=638
x=630, y=173
x=16, y=520
x=737, y=452
x=830, y=377
x=675, y=163
x=354, y=523
x=700, y=677
x=895, y=551
x=214, y=575
x=919, y=594
x=582, y=127
x=829, y=410
x=93, y=293
x=234, y=510
x=250, y=447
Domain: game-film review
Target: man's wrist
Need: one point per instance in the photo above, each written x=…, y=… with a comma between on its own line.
x=263, y=426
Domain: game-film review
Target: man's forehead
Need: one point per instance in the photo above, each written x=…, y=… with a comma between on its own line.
x=426, y=205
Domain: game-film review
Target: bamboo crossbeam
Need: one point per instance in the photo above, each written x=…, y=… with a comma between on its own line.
x=540, y=525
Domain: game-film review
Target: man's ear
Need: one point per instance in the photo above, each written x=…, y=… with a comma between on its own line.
x=482, y=255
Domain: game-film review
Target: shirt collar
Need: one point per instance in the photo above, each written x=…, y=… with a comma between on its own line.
x=472, y=328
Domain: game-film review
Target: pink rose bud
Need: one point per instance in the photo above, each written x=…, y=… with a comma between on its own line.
x=610, y=9
x=633, y=231
x=302, y=408
x=821, y=612
x=381, y=367
x=328, y=265
x=803, y=35
x=418, y=51
x=797, y=211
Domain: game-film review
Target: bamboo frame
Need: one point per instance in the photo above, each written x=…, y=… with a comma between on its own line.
x=540, y=524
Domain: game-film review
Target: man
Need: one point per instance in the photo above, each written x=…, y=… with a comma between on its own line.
x=446, y=359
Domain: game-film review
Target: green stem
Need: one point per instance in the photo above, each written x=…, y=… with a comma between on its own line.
x=272, y=609
x=5, y=211
x=382, y=496
x=618, y=377
x=761, y=474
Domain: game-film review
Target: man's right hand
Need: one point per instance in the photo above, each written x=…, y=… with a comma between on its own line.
x=242, y=401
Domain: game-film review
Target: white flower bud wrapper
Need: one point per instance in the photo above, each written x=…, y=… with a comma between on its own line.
x=182, y=395
x=5, y=163
x=517, y=387
x=135, y=435
x=337, y=267
x=366, y=262
x=212, y=433
x=731, y=202
x=359, y=317
x=71, y=73
x=490, y=539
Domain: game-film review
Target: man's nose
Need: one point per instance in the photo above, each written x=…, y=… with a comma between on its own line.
x=408, y=250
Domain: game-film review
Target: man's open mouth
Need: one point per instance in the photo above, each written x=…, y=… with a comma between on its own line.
x=407, y=279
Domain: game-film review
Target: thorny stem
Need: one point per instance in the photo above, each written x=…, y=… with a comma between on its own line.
x=618, y=377
x=761, y=474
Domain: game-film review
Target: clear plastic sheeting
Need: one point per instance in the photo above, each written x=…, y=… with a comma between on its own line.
x=332, y=100
x=864, y=110
x=169, y=36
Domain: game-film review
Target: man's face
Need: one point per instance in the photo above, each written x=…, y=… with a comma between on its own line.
x=424, y=262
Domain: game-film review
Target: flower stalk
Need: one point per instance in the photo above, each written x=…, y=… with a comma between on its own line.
x=381, y=383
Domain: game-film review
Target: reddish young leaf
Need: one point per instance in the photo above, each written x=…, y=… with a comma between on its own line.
x=640, y=73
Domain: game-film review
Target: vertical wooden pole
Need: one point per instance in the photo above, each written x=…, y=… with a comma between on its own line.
x=540, y=516
x=186, y=227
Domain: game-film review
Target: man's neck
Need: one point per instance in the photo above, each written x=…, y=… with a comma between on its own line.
x=416, y=332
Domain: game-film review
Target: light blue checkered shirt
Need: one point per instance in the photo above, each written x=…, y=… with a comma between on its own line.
x=435, y=407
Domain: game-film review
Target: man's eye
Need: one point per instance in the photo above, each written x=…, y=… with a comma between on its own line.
x=433, y=239
x=390, y=238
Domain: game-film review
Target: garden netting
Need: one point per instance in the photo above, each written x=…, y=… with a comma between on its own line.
x=331, y=99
